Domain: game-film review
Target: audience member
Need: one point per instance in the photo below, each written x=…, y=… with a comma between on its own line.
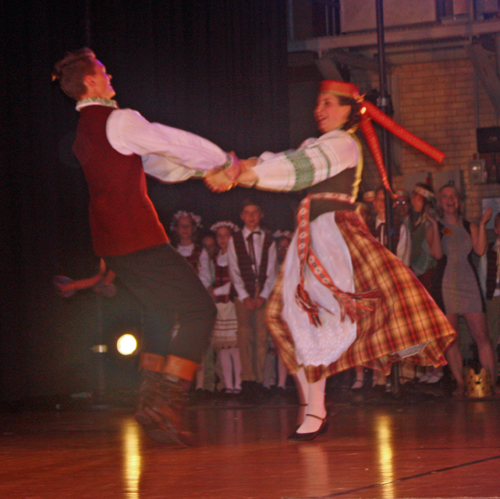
x=224, y=338
x=185, y=229
x=252, y=270
x=452, y=241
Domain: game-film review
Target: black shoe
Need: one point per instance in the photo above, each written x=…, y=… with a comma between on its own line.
x=302, y=437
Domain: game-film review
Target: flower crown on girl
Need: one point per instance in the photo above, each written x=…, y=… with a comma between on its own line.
x=232, y=227
x=181, y=213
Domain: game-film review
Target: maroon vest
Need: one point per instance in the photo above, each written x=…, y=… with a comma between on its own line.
x=122, y=217
x=245, y=263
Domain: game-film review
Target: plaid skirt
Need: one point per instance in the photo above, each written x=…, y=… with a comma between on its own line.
x=406, y=322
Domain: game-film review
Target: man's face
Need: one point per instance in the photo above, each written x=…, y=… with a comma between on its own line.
x=251, y=216
x=99, y=83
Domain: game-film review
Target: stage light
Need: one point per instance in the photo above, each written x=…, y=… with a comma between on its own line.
x=126, y=344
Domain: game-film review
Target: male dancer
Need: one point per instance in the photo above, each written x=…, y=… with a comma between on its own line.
x=127, y=234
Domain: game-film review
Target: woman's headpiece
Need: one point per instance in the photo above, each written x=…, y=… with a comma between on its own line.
x=371, y=112
x=224, y=223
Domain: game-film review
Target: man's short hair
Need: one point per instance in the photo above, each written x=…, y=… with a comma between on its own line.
x=72, y=70
x=249, y=202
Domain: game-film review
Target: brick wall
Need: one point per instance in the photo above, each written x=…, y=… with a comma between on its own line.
x=437, y=102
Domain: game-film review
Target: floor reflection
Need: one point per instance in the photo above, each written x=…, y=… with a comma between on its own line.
x=385, y=453
x=132, y=463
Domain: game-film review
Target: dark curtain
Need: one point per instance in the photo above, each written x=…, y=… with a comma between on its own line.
x=216, y=68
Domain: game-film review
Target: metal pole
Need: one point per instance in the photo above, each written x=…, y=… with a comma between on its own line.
x=384, y=105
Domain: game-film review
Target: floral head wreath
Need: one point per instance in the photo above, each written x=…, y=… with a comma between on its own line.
x=282, y=233
x=371, y=112
x=181, y=213
x=232, y=227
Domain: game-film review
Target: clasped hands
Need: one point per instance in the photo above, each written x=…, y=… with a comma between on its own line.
x=239, y=173
x=254, y=303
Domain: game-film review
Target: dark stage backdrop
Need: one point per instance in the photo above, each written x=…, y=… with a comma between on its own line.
x=216, y=68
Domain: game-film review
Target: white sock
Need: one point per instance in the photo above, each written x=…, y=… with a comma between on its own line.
x=315, y=406
x=200, y=376
x=227, y=367
x=235, y=356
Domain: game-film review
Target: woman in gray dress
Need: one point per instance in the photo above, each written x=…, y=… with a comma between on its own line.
x=452, y=241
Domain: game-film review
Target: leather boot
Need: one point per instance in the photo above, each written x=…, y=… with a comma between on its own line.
x=151, y=366
x=165, y=410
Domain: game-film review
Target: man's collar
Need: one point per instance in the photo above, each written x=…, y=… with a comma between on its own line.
x=248, y=231
x=92, y=101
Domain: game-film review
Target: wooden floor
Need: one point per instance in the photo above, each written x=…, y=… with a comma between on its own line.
x=418, y=447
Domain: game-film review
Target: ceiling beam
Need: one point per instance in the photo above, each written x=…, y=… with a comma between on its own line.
x=397, y=36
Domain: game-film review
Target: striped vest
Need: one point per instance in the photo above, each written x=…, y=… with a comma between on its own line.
x=245, y=263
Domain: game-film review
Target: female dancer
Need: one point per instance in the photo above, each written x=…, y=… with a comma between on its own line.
x=341, y=299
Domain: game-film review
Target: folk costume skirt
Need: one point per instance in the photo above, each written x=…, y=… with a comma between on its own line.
x=405, y=321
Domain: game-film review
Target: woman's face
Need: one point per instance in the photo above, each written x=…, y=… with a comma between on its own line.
x=282, y=248
x=223, y=236
x=329, y=113
x=449, y=201
x=417, y=201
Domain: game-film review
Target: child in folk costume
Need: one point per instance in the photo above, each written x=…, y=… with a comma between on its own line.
x=185, y=227
x=341, y=298
x=224, y=339
x=252, y=269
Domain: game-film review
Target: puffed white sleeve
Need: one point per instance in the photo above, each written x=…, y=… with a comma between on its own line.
x=169, y=154
x=315, y=161
x=204, y=270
